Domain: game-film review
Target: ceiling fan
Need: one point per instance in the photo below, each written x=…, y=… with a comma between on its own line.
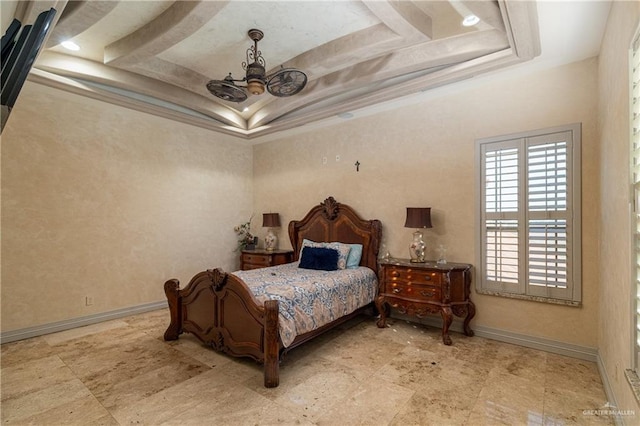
x=282, y=83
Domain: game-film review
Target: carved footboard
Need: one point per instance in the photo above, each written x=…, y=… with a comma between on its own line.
x=220, y=310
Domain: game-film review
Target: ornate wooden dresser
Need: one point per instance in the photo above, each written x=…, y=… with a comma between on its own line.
x=419, y=289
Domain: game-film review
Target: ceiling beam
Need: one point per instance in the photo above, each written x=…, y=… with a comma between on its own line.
x=77, y=17
x=175, y=24
x=347, y=50
x=521, y=23
x=403, y=18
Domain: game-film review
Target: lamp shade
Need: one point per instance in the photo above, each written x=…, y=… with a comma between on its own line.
x=418, y=217
x=270, y=220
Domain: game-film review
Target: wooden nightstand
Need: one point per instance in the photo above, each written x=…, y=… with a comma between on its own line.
x=419, y=289
x=260, y=258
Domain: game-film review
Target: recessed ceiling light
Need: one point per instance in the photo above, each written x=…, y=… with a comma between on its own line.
x=470, y=20
x=70, y=45
x=245, y=109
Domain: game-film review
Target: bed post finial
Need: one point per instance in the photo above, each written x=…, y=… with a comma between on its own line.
x=330, y=208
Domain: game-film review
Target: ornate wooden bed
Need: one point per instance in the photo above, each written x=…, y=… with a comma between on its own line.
x=220, y=310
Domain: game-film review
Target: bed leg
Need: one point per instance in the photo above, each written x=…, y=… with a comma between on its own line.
x=172, y=291
x=271, y=345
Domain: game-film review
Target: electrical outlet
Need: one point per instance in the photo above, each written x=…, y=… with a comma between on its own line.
x=337, y=158
x=88, y=301
x=324, y=160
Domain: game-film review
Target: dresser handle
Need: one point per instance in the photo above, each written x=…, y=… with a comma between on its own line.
x=396, y=290
x=395, y=274
x=428, y=293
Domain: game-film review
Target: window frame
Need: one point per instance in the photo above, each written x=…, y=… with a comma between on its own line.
x=634, y=200
x=572, y=294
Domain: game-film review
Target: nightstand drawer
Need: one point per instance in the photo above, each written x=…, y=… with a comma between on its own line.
x=410, y=275
x=415, y=291
x=260, y=258
x=256, y=259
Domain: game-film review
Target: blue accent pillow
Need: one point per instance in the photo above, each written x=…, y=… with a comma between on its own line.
x=353, y=261
x=319, y=258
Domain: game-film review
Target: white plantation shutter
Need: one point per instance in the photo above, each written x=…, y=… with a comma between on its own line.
x=634, y=74
x=549, y=215
x=500, y=218
x=530, y=200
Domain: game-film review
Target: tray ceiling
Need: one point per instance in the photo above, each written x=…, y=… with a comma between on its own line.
x=157, y=56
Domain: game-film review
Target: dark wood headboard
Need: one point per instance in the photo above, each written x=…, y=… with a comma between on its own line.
x=333, y=221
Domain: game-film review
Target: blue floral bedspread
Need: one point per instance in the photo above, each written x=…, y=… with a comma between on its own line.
x=309, y=299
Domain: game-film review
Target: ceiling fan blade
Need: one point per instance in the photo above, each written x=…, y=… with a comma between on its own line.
x=286, y=82
x=226, y=90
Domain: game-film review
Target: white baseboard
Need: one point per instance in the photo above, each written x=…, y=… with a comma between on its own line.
x=54, y=327
x=553, y=346
x=608, y=390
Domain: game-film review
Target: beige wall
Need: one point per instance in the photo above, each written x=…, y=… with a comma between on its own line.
x=103, y=201
x=423, y=155
x=615, y=327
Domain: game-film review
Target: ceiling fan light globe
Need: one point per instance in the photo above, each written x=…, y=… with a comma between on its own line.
x=255, y=87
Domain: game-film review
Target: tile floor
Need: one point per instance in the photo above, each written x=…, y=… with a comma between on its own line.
x=122, y=372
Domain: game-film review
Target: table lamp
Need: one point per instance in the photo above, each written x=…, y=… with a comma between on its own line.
x=270, y=220
x=418, y=217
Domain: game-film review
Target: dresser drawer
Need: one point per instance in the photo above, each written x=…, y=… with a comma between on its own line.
x=415, y=291
x=409, y=275
x=256, y=259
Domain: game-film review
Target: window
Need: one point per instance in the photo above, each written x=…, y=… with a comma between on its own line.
x=529, y=214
